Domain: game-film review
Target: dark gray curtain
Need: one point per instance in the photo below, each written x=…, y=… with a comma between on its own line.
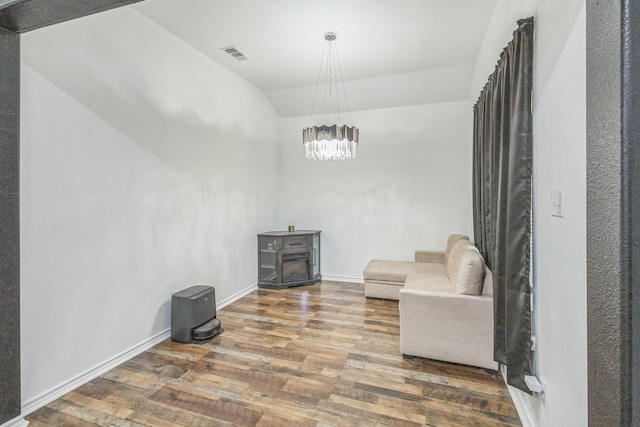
x=502, y=198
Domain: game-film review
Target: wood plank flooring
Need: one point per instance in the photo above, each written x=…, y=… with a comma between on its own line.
x=320, y=355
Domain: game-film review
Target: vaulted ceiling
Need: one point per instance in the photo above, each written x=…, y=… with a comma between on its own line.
x=393, y=53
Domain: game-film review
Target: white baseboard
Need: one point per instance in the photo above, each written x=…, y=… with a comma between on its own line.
x=16, y=422
x=86, y=376
x=348, y=279
x=225, y=302
x=526, y=418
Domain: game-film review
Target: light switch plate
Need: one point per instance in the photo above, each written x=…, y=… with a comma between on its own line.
x=556, y=203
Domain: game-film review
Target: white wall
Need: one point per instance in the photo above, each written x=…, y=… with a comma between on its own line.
x=145, y=168
x=559, y=161
x=408, y=188
x=142, y=162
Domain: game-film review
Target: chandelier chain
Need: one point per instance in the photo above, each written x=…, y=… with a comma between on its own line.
x=332, y=141
x=315, y=93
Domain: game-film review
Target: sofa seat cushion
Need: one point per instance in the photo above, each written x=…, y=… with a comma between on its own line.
x=436, y=281
x=396, y=271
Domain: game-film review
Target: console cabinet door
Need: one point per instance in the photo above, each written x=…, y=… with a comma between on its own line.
x=269, y=259
x=316, y=256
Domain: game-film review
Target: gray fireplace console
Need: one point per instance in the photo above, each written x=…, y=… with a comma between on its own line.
x=288, y=259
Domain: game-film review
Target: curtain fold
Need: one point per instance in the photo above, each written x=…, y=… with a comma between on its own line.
x=502, y=192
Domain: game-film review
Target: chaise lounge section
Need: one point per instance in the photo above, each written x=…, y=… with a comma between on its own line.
x=384, y=279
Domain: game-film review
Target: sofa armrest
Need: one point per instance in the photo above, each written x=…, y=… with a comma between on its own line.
x=447, y=326
x=435, y=257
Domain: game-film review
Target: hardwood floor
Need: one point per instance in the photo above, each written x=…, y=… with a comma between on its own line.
x=320, y=355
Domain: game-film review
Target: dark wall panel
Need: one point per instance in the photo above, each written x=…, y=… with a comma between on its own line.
x=630, y=245
x=10, y=404
x=613, y=212
x=27, y=15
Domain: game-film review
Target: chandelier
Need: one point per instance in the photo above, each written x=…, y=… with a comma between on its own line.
x=331, y=141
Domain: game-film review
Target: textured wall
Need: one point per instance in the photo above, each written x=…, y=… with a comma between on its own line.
x=9, y=226
x=603, y=213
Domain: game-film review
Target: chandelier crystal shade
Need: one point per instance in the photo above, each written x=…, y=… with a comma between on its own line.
x=332, y=141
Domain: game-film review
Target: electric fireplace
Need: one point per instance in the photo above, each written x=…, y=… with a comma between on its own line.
x=288, y=259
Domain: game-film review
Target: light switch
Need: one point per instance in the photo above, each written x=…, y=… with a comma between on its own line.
x=556, y=203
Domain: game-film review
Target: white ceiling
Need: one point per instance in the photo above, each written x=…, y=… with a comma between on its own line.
x=392, y=52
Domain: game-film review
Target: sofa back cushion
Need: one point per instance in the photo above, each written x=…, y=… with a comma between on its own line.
x=453, y=260
x=451, y=241
x=487, y=282
x=466, y=268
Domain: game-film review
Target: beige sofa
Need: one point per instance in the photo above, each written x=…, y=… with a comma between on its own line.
x=446, y=303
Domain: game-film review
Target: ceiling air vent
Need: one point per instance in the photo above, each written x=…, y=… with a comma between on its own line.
x=231, y=50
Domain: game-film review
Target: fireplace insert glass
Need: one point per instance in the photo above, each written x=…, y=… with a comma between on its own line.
x=295, y=267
